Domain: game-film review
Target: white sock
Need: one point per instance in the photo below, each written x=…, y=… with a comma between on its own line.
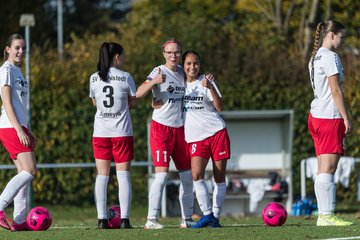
x=325, y=191
x=186, y=194
x=218, y=197
x=21, y=204
x=100, y=195
x=125, y=192
x=155, y=194
x=202, y=196
x=13, y=187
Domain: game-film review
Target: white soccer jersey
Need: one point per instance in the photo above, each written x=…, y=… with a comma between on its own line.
x=327, y=63
x=11, y=75
x=112, y=118
x=171, y=92
x=201, y=118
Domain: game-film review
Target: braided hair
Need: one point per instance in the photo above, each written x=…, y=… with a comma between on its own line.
x=322, y=29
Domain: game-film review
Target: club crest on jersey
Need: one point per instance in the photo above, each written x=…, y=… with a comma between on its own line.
x=22, y=82
x=170, y=89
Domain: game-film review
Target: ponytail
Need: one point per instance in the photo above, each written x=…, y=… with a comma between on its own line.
x=321, y=30
x=107, y=53
x=317, y=36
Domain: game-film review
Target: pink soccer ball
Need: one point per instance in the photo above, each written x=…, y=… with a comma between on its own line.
x=274, y=214
x=114, y=217
x=39, y=219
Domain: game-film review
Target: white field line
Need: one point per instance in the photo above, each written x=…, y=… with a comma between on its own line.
x=142, y=226
x=344, y=238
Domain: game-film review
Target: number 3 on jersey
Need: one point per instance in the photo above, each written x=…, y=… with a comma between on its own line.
x=109, y=91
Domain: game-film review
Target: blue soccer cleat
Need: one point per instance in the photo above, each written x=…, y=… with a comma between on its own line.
x=215, y=224
x=207, y=220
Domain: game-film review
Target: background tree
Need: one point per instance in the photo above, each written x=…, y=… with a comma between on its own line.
x=256, y=53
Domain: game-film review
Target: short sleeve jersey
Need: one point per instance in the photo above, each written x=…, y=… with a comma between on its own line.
x=201, y=118
x=11, y=75
x=171, y=92
x=112, y=118
x=326, y=63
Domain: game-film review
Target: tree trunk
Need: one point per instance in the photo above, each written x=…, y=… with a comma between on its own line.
x=308, y=29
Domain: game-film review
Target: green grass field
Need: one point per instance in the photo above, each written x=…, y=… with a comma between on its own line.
x=80, y=223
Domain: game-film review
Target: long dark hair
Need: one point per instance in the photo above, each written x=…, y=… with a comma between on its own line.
x=187, y=53
x=12, y=37
x=107, y=53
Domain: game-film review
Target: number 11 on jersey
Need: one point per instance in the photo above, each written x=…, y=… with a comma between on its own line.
x=158, y=156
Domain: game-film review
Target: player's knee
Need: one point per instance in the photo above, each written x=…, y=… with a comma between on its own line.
x=220, y=177
x=33, y=171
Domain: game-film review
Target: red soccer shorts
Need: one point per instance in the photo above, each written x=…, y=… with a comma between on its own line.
x=328, y=135
x=166, y=142
x=12, y=144
x=217, y=147
x=121, y=149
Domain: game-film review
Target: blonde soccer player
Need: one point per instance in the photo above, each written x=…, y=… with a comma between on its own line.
x=329, y=119
x=167, y=134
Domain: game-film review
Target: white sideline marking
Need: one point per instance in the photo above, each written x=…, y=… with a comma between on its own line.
x=344, y=238
x=166, y=226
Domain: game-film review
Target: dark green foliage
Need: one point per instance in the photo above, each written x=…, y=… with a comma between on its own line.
x=254, y=66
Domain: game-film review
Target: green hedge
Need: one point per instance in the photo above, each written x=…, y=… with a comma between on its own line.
x=254, y=68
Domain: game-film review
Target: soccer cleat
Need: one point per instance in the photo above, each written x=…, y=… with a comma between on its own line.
x=187, y=223
x=207, y=220
x=215, y=224
x=15, y=227
x=153, y=224
x=3, y=221
x=103, y=224
x=125, y=223
x=331, y=220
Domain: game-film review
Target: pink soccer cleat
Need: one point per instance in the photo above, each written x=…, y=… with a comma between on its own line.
x=3, y=222
x=15, y=227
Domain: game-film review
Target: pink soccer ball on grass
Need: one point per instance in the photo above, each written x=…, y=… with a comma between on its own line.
x=114, y=217
x=274, y=214
x=39, y=219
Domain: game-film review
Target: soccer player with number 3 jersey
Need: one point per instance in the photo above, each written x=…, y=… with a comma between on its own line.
x=206, y=135
x=112, y=91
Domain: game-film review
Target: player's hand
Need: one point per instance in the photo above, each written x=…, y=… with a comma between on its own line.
x=348, y=126
x=24, y=138
x=160, y=78
x=156, y=104
x=207, y=80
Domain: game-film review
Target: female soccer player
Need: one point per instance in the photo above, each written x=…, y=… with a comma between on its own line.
x=113, y=94
x=167, y=134
x=206, y=134
x=15, y=133
x=329, y=119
